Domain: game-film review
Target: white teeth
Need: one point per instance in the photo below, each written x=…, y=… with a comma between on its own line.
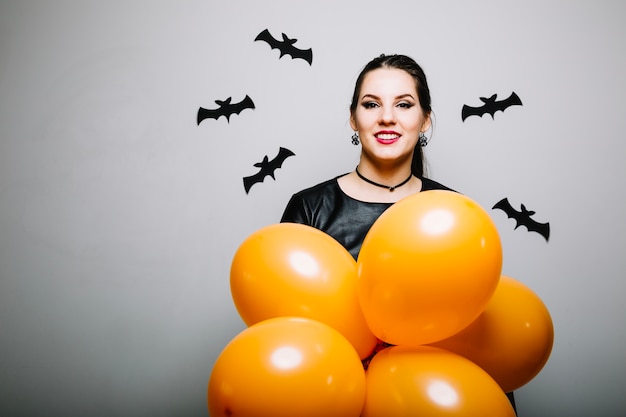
x=387, y=136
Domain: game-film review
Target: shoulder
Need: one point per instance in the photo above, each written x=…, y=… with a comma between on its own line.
x=305, y=205
x=328, y=187
x=428, y=184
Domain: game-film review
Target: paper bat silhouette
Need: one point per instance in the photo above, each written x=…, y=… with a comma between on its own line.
x=225, y=109
x=523, y=218
x=491, y=106
x=267, y=167
x=286, y=46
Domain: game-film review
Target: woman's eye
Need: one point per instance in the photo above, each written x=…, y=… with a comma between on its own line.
x=405, y=105
x=370, y=105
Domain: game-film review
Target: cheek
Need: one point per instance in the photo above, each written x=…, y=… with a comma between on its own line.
x=422, y=120
x=413, y=122
x=363, y=118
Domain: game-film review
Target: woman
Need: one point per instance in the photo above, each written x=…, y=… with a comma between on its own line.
x=390, y=113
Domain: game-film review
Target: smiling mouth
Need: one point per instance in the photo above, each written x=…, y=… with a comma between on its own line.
x=387, y=136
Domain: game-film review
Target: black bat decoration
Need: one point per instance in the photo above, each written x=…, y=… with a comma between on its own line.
x=267, y=167
x=523, y=218
x=225, y=109
x=286, y=46
x=491, y=106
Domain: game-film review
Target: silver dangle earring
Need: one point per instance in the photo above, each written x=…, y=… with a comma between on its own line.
x=422, y=140
x=355, y=139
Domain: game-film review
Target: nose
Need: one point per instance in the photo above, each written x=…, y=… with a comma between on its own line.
x=387, y=115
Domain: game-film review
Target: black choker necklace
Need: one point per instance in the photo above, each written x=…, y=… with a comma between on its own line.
x=393, y=187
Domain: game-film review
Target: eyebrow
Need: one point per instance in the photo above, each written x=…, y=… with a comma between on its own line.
x=401, y=96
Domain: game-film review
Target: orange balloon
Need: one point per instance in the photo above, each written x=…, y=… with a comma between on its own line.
x=287, y=367
x=426, y=381
x=428, y=267
x=290, y=269
x=512, y=339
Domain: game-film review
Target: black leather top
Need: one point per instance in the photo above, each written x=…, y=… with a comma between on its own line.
x=327, y=208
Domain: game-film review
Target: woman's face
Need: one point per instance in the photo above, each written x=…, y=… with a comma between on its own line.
x=388, y=115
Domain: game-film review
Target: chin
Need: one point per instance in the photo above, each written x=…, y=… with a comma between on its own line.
x=392, y=156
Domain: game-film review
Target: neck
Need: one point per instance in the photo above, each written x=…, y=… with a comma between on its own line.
x=384, y=172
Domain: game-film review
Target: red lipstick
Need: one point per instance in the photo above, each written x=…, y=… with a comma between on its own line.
x=387, y=137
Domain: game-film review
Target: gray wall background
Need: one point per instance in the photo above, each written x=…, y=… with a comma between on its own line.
x=119, y=216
